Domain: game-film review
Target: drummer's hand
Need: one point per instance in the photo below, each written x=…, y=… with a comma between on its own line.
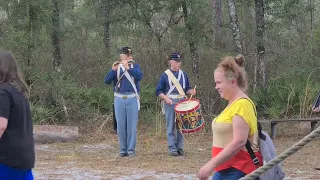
x=192, y=92
x=205, y=171
x=169, y=101
x=316, y=109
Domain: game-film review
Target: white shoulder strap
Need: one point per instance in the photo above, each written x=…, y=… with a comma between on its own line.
x=172, y=87
x=118, y=73
x=183, y=79
x=175, y=82
x=131, y=80
x=123, y=69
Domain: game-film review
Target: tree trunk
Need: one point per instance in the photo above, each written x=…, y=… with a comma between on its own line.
x=56, y=36
x=53, y=133
x=311, y=4
x=30, y=44
x=56, y=40
x=261, y=65
x=217, y=23
x=235, y=26
x=106, y=25
x=29, y=34
x=191, y=41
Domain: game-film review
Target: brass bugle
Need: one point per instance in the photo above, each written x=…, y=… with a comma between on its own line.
x=118, y=62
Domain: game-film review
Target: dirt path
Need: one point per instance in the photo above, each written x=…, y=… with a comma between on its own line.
x=85, y=160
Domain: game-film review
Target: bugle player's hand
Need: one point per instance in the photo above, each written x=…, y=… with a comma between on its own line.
x=115, y=66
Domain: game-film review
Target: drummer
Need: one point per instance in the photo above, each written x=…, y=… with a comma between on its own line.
x=172, y=87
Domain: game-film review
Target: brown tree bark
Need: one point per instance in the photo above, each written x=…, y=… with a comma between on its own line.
x=56, y=36
x=30, y=42
x=217, y=23
x=190, y=40
x=235, y=26
x=260, y=49
x=106, y=25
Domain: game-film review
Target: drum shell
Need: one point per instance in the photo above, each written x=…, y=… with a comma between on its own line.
x=184, y=125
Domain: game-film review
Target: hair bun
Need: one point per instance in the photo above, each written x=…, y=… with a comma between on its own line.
x=239, y=60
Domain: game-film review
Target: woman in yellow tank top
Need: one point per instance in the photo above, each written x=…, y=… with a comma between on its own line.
x=236, y=124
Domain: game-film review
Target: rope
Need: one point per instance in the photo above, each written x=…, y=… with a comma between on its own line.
x=296, y=147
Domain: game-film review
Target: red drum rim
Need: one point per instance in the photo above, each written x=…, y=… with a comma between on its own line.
x=190, y=110
x=187, y=131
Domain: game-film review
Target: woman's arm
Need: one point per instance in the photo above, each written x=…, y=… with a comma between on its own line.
x=3, y=125
x=4, y=111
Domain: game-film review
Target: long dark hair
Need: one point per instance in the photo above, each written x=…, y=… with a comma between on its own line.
x=10, y=73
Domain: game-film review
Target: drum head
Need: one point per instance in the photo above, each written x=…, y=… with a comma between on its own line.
x=187, y=106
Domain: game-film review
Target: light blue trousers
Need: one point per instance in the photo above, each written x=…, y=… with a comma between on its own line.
x=174, y=136
x=126, y=111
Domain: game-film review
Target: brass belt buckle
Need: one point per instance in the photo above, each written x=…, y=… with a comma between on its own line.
x=124, y=97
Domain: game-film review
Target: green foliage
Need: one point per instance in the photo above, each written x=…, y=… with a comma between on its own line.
x=57, y=96
x=52, y=92
x=148, y=98
x=291, y=95
x=41, y=114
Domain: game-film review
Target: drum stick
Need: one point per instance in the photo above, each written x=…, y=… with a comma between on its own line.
x=192, y=94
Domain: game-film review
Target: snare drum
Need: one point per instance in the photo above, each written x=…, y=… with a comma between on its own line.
x=188, y=116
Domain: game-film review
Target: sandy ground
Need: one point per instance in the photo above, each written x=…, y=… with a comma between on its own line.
x=97, y=158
